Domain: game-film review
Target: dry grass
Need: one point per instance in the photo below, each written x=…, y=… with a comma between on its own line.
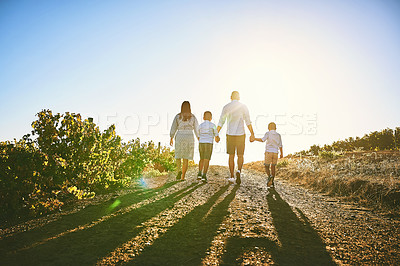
x=371, y=178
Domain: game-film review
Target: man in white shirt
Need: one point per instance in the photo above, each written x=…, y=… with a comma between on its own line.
x=236, y=114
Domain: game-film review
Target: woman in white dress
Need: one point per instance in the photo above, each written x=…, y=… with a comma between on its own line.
x=182, y=129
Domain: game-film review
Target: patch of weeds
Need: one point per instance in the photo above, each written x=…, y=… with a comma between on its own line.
x=329, y=155
x=282, y=163
x=153, y=173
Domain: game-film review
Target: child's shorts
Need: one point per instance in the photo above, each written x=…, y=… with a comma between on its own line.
x=205, y=150
x=271, y=158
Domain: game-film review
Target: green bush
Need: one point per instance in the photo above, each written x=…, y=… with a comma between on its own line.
x=25, y=188
x=68, y=158
x=78, y=153
x=329, y=155
x=282, y=163
x=144, y=155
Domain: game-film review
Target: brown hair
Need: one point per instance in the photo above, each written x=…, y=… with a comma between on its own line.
x=272, y=126
x=186, y=112
x=207, y=115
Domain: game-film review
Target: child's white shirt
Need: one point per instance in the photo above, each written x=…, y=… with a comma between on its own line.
x=207, y=132
x=274, y=141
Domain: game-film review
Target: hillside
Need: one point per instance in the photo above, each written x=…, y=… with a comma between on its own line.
x=370, y=178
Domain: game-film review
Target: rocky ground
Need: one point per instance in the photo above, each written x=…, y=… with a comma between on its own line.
x=163, y=222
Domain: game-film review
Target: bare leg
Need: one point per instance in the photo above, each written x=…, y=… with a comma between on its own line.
x=273, y=170
x=201, y=164
x=178, y=164
x=206, y=164
x=240, y=162
x=267, y=169
x=232, y=164
x=184, y=168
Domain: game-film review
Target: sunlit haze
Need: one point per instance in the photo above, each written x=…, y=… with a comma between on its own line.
x=322, y=70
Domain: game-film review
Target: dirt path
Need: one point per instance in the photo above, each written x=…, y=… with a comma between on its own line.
x=190, y=223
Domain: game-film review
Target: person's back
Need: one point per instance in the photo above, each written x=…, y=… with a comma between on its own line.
x=207, y=132
x=272, y=147
x=236, y=114
x=273, y=141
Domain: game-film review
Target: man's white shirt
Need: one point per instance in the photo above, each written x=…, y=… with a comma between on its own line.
x=236, y=113
x=274, y=141
x=207, y=132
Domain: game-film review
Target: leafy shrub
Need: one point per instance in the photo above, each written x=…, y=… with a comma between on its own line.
x=78, y=153
x=315, y=149
x=329, y=155
x=146, y=155
x=68, y=158
x=24, y=187
x=386, y=139
x=282, y=163
x=166, y=159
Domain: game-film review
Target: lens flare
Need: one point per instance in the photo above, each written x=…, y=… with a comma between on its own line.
x=114, y=205
x=142, y=182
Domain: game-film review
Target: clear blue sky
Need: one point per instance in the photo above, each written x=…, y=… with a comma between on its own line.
x=323, y=70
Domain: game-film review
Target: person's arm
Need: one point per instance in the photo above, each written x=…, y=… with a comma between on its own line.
x=281, y=149
x=216, y=135
x=222, y=119
x=173, y=130
x=280, y=146
x=246, y=115
x=263, y=139
x=196, y=128
x=252, y=137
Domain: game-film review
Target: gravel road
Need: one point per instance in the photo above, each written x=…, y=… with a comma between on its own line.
x=191, y=223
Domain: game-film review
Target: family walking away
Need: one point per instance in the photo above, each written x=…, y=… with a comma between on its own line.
x=235, y=114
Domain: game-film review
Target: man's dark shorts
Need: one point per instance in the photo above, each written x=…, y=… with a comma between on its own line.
x=235, y=143
x=205, y=150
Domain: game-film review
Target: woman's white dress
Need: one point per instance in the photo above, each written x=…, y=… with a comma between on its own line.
x=184, y=139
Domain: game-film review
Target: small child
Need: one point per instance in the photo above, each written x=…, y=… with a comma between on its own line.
x=274, y=142
x=207, y=133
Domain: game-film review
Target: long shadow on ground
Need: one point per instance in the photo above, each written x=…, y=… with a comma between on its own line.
x=300, y=243
x=187, y=242
x=87, y=246
x=80, y=218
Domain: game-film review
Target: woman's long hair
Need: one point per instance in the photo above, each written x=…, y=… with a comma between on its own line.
x=186, y=112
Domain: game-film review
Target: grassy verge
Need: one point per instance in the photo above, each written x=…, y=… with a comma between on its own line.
x=370, y=178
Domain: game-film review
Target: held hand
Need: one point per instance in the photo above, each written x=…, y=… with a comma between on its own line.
x=217, y=139
x=252, y=138
x=281, y=156
x=171, y=142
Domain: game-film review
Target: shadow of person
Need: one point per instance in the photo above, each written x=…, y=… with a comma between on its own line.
x=86, y=245
x=299, y=244
x=86, y=215
x=187, y=242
